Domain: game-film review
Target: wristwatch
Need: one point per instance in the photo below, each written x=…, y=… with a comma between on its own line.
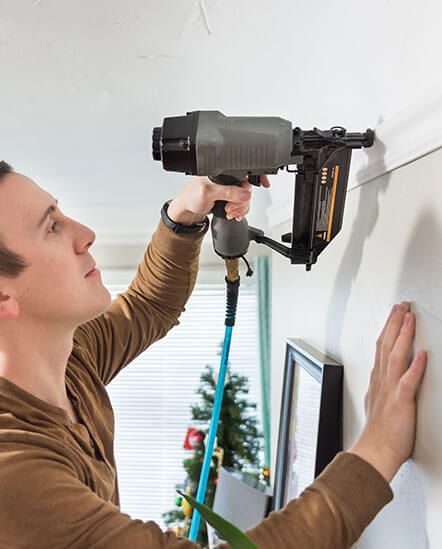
x=179, y=227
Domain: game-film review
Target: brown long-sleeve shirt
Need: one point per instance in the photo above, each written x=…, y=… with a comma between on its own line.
x=58, y=483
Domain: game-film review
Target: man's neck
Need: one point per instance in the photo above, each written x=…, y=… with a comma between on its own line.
x=37, y=363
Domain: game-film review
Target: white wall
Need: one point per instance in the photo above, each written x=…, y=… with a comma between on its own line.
x=388, y=251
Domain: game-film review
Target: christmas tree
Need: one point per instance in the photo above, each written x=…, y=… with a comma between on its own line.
x=238, y=444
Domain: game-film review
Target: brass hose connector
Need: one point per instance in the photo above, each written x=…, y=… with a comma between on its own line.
x=232, y=268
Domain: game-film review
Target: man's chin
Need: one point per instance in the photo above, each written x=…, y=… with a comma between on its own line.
x=100, y=308
x=107, y=300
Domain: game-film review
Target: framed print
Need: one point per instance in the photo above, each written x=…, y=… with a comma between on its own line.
x=310, y=424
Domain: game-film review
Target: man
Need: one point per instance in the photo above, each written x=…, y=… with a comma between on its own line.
x=62, y=341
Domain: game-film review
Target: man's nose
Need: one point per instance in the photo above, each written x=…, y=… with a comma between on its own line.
x=84, y=237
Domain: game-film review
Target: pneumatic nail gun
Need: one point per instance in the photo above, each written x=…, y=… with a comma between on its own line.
x=229, y=148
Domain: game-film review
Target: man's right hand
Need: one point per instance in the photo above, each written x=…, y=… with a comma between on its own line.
x=390, y=403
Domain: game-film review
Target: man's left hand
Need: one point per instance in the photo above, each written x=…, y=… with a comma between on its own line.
x=197, y=199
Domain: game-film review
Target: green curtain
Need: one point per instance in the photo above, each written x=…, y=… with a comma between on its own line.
x=262, y=267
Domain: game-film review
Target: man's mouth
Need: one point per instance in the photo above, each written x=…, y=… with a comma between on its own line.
x=92, y=272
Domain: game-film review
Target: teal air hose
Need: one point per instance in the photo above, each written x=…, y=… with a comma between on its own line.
x=232, y=281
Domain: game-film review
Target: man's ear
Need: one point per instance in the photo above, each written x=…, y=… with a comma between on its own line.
x=8, y=307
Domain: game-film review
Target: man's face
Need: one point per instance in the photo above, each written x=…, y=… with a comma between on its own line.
x=53, y=289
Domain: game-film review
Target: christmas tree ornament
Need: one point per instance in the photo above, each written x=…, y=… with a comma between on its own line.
x=194, y=438
x=187, y=508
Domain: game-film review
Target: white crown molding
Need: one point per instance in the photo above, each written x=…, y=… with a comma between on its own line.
x=401, y=139
x=410, y=134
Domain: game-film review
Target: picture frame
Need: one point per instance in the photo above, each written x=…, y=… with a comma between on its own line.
x=310, y=425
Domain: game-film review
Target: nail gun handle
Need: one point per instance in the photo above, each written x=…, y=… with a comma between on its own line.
x=230, y=237
x=219, y=209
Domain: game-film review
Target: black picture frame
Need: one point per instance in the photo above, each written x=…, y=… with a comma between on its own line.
x=328, y=374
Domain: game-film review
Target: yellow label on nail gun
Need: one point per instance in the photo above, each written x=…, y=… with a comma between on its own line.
x=327, y=199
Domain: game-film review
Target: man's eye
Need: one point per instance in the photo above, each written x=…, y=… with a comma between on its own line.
x=52, y=228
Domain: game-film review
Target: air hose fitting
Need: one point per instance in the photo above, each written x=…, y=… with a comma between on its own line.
x=232, y=280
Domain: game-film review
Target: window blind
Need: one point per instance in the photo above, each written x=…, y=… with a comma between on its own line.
x=152, y=396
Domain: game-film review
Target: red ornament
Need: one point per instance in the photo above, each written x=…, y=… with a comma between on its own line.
x=194, y=438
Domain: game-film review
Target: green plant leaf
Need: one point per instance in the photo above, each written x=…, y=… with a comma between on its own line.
x=226, y=530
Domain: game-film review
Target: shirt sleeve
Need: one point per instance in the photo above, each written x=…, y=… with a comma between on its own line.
x=332, y=512
x=149, y=308
x=44, y=505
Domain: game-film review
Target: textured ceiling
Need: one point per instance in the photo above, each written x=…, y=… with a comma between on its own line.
x=83, y=83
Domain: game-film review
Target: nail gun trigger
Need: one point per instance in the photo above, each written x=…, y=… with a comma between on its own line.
x=255, y=180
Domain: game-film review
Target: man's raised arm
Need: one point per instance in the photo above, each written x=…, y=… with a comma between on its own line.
x=164, y=281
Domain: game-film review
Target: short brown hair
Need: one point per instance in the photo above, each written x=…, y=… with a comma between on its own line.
x=11, y=264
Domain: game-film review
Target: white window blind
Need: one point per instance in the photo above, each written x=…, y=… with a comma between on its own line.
x=152, y=396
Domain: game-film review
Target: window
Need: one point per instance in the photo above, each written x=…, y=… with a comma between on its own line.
x=152, y=396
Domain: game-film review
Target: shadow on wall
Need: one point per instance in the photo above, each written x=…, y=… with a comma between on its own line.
x=420, y=274
x=363, y=225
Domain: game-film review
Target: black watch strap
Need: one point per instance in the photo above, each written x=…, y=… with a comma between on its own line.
x=179, y=227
